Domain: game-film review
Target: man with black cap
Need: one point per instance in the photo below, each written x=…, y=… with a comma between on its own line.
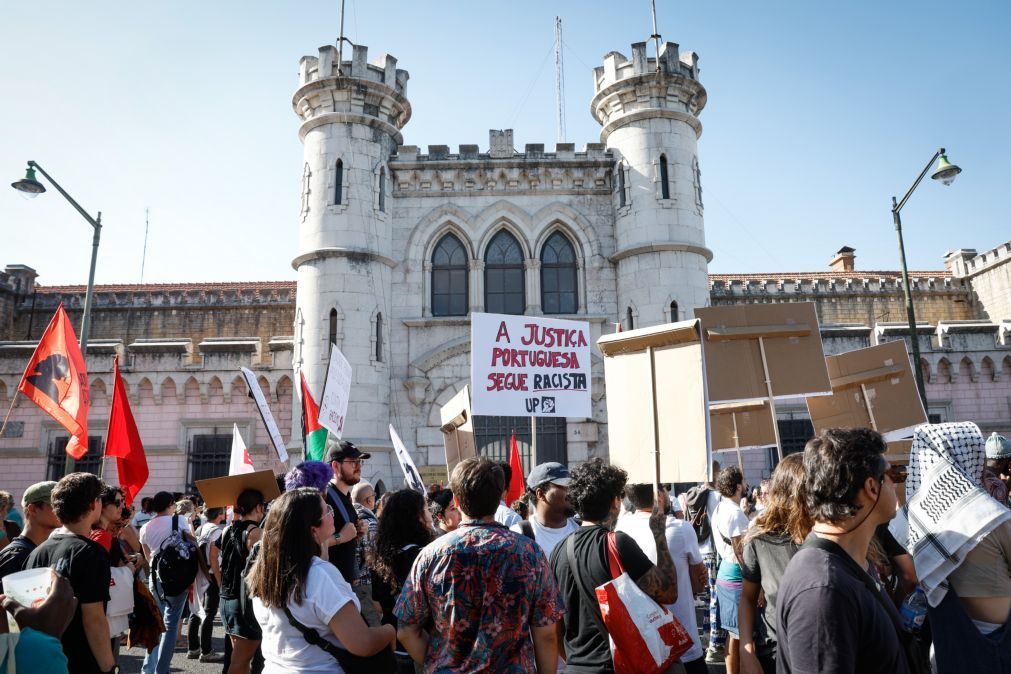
x=346, y=461
x=551, y=521
x=40, y=521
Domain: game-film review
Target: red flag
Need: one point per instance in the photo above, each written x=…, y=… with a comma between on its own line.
x=123, y=441
x=57, y=381
x=516, y=484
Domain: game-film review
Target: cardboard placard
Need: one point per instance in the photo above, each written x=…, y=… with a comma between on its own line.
x=411, y=476
x=220, y=492
x=333, y=403
x=871, y=388
x=458, y=429
x=667, y=360
x=266, y=416
x=791, y=337
x=529, y=366
x=753, y=425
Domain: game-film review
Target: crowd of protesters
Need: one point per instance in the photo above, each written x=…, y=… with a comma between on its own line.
x=819, y=569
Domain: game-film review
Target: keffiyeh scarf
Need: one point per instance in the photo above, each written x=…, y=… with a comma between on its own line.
x=947, y=511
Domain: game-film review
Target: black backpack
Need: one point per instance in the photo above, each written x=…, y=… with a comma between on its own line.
x=696, y=500
x=175, y=563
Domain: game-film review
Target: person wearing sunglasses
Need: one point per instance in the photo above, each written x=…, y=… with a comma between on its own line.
x=831, y=615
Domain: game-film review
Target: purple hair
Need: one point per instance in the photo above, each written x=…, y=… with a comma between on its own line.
x=313, y=474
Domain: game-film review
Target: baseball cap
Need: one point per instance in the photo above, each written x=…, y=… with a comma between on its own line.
x=40, y=492
x=552, y=472
x=346, y=450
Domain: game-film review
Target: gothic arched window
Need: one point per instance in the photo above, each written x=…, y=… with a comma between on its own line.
x=630, y=322
x=338, y=182
x=664, y=180
x=558, y=276
x=503, y=276
x=382, y=190
x=379, y=338
x=621, y=185
x=449, y=277
x=674, y=312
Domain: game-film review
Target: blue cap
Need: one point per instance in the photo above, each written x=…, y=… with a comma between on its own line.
x=552, y=472
x=998, y=447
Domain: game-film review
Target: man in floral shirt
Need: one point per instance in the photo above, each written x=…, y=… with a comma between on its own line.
x=480, y=598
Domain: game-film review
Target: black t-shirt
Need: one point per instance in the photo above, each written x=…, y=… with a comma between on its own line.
x=829, y=621
x=587, y=650
x=342, y=555
x=765, y=559
x=888, y=543
x=14, y=557
x=86, y=564
x=234, y=554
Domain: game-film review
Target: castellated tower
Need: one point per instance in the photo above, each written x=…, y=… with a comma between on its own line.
x=649, y=114
x=351, y=114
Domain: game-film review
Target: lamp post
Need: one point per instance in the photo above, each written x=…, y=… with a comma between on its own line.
x=31, y=187
x=945, y=173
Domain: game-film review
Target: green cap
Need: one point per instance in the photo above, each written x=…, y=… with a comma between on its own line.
x=38, y=492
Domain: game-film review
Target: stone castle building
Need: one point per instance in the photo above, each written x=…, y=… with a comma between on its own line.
x=398, y=245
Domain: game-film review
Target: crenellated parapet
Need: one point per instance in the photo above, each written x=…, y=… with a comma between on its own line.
x=374, y=94
x=804, y=287
x=168, y=296
x=627, y=89
x=502, y=170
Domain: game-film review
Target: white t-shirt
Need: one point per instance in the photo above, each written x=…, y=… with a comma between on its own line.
x=141, y=518
x=284, y=648
x=212, y=534
x=728, y=521
x=547, y=537
x=712, y=500
x=154, y=533
x=675, y=503
x=506, y=515
x=684, y=550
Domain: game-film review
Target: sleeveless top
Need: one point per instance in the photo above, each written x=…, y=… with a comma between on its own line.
x=233, y=557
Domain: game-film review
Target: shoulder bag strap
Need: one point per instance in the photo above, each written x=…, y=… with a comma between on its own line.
x=527, y=529
x=313, y=637
x=335, y=497
x=613, y=558
x=593, y=606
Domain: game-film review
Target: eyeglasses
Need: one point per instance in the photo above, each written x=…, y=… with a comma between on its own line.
x=897, y=474
x=354, y=462
x=329, y=510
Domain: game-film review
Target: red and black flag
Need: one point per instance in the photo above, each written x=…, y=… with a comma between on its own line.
x=57, y=381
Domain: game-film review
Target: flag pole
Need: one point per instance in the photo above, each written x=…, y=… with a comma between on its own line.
x=10, y=409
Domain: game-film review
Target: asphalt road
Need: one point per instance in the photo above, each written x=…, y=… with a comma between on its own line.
x=131, y=659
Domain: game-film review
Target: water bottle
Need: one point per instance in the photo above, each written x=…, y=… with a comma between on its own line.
x=914, y=611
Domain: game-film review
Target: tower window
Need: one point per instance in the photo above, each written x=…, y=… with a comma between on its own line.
x=621, y=184
x=379, y=337
x=558, y=276
x=449, y=277
x=629, y=321
x=333, y=329
x=673, y=312
x=503, y=276
x=664, y=180
x=338, y=182
x=382, y=190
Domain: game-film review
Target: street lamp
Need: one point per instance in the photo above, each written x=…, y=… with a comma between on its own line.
x=945, y=173
x=31, y=187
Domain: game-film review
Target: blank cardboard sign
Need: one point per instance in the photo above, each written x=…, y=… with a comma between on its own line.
x=753, y=423
x=220, y=492
x=793, y=351
x=458, y=429
x=892, y=405
x=656, y=399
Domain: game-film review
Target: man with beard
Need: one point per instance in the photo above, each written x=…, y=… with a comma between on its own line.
x=346, y=462
x=548, y=490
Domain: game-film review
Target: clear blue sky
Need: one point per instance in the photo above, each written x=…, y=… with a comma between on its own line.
x=818, y=113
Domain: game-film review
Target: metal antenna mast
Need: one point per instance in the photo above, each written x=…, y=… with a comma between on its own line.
x=559, y=80
x=143, y=256
x=656, y=37
x=340, y=47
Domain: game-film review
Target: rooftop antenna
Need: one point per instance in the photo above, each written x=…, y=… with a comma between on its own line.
x=656, y=37
x=143, y=256
x=559, y=80
x=340, y=45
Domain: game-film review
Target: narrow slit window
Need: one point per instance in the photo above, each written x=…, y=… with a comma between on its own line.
x=382, y=190
x=673, y=312
x=664, y=182
x=621, y=185
x=379, y=338
x=628, y=319
x=338, y=182
x=333, y=329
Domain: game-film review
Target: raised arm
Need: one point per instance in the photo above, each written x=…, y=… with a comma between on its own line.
x=660, y=582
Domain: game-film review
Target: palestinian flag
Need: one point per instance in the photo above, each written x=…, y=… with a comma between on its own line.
x=313, y=434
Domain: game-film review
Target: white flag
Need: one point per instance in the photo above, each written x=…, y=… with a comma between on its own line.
x=240, y=462
x=411, y=476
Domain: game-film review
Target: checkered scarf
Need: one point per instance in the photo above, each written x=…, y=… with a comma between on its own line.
x=947, y=511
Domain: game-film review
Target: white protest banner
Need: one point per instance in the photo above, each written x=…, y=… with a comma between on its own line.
x=333, y=405
x=529, y=366
x=256, y=393
x=411, y=474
